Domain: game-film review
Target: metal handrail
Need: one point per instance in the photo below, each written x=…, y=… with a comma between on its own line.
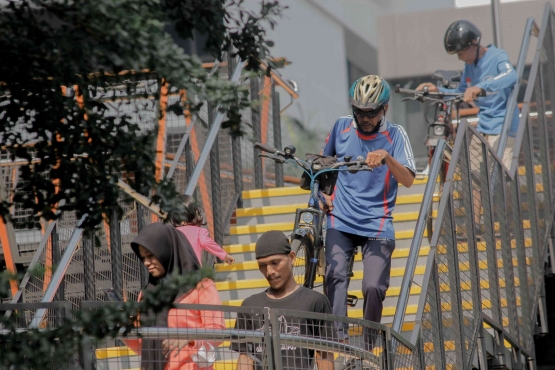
x=508, y=177
x=530, y=29
x=60, y=271
x=35, y=260
x=414, y=251
x=212, y=135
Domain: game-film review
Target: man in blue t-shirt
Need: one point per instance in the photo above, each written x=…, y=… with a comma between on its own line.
x=359, y=211
x=486, y=69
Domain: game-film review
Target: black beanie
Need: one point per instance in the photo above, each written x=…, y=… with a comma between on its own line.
x=270, y=243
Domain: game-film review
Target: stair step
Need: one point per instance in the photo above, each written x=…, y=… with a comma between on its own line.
x=253, y=265
x=263, y=283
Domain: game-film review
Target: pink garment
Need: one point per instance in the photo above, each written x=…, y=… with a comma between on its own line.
x=200, y=239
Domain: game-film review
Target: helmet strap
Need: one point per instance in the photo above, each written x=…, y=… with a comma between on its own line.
x=477, y=55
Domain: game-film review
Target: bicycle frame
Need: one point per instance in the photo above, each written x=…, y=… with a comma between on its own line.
x=308, y=221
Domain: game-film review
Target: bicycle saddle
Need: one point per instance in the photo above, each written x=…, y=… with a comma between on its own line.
x=447, y=77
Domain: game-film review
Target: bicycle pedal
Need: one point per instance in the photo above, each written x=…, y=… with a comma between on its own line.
x=352, y=300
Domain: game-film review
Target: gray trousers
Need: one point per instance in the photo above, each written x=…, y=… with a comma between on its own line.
x=376, y=259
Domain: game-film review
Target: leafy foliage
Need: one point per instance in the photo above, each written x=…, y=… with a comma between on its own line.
x=57, y=346
x=75, y=145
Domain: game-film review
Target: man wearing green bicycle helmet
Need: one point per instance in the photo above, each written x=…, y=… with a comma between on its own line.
x=360, y=208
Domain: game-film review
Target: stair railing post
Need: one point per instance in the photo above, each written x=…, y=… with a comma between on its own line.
x=215, y=185
x=88, y=266
x=256, y=131
x=56, y=258
x=236, y=147
x=276, y=120
x=143, y=272
x=116, y=253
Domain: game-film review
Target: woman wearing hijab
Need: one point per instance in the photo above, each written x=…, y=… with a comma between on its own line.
x=166, y=252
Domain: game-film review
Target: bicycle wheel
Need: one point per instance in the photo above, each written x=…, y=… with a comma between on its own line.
x=303, y=249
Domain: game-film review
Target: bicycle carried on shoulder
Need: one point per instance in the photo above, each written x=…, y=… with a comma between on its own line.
x=320, y=173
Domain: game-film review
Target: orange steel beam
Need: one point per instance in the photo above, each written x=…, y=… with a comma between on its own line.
x=47, y=264
x=8, y=257
x=264, y=98
x=161, y=139
x=107, y=232
x=7, y=238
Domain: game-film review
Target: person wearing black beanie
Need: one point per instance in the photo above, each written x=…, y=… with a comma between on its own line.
x=275, y=261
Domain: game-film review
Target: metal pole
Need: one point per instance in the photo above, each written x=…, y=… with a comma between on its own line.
x=116, y=253
x=255, y=116
x=236, y=152
x=88, y=266
x=56, y=258
x=216, y=185
x=496, y=22
x=140, y=224
x=60, y=272
x=212, y=136
x=276, y=120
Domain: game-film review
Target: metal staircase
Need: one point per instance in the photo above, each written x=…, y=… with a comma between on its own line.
x=469, y=299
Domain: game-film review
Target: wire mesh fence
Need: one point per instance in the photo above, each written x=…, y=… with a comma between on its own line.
x=218, y=337
x=486, y=264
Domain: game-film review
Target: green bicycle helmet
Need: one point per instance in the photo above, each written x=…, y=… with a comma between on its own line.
x=369, y=92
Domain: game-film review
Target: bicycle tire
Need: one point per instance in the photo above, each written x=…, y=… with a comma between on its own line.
x=303, y=249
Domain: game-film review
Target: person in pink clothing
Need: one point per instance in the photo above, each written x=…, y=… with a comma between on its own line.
x=198, y=236
x=165, y=252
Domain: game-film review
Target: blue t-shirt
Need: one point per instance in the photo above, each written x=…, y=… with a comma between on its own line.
x=493, y=73
x=363, y=201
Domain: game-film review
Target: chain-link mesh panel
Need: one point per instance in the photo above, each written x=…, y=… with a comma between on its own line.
x=536, y=124
x=404, y=357
x=27, y=239
x=464, y=198
x=215, y=337
x=527, y=191
x=307, y=338
x=451, y=315
x=432, y=324
x=523, y=297
x=547, y=69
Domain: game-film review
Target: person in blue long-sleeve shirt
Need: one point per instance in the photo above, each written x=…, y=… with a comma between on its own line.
x=486, y=69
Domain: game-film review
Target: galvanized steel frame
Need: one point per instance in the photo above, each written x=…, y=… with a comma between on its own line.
x=501, y=189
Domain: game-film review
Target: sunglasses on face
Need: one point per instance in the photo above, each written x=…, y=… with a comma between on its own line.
x=369, y=114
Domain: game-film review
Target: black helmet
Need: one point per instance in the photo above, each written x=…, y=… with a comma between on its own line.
x=460, y=35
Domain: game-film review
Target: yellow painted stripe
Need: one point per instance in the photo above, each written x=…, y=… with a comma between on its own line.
x=274, y=192
x=263, y=283
x=292, y=208
x=253, y=265
x=391, y=292
x=112, y=352
x=288, y=227
x=261, y=228
x=295, y=190
x=482, y=265
x=537, y=170
x=463, y=247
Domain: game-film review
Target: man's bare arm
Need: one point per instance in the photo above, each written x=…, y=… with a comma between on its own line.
x=402, y=174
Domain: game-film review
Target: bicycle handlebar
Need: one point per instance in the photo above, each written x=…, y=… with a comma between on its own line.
x=266, y=148
x=439, y=95
x=436, y=95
